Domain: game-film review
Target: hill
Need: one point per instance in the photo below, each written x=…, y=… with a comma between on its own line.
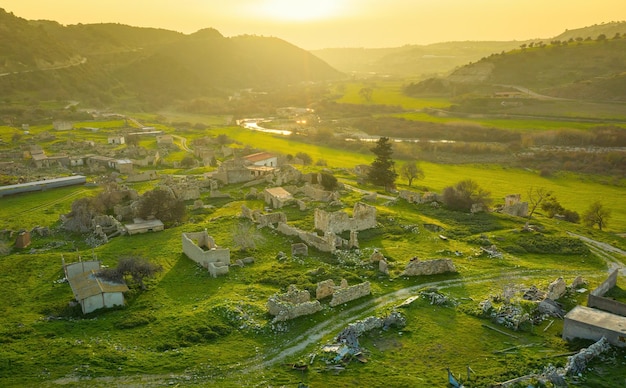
x=583, y=69
x=411, y=60
x=100, y=63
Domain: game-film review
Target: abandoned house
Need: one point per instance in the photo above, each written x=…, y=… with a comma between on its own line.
x=144, y=226
x=91, y=292
x=201, y=248
x=363, y=217
x=116, y=140
x=602, y=317
x=277, y=197
x=262, y=159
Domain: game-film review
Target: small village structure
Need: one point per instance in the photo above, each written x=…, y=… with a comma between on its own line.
x=602, y=317
x=262, y=159
x=201, y=248
x=42, y=185
x=277, y=197
x=91, y=292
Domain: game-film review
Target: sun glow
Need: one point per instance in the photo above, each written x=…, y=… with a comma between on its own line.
x=300, y=10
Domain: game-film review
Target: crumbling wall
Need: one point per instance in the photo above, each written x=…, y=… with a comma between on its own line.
x=596, y=297
x=364, y=217
x=292, y=304
x=410, y=196
x=327, y=243
x=212, y=254
x=325, y=289
x=344, y=295
x=417, y=267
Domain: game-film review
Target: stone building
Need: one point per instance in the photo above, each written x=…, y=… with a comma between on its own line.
x=201, y=248
x=363, y=217
x=277, y=197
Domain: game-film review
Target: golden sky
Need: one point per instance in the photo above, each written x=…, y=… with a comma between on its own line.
x=315, y=24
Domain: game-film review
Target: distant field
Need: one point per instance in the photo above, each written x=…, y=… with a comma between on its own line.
x=389, y=93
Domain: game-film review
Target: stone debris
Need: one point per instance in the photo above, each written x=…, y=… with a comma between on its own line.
x=551, y=308
x=492, y=252
x=577, y=363
x=325, y=289
x=346, y=345
x=416, y=267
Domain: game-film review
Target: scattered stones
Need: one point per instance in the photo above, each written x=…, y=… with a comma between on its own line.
x=551, y=308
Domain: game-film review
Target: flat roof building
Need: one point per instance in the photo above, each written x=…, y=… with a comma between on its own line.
x=593, y=324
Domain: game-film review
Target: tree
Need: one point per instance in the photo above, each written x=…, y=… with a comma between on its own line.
x=382, y=171
x=161, y=204
x=366, y=94
x=246, y=236
x=596, y=214
x=410, y=170
x=188, y=161
x=136, y=267
x=465, y=194
x=536, y=195
x=305, y=158
x=328, y=181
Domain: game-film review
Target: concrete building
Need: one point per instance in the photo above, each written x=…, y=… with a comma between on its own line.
x=116, y=140
x=144, y=226
x=589, y=323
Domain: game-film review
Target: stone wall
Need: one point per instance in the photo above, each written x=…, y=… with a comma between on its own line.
x=327, y=243
x=318, y=194
x=410, y=196
x=211, y=254
x=142, y=177
x=344, y=295
x=325, y=289
x=596, y=297
x=292, y=304
x=417, y=267
x=364, y=217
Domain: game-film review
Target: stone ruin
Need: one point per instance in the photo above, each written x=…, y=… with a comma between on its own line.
x=292, y=304
x=261, y=219
x=318, y=194
x=277, y=197
x=364, y=217
x=378, y=258
x=201, y=248
x=514, y=206
x=343, y=293
x=350, y=293
x=417, y=267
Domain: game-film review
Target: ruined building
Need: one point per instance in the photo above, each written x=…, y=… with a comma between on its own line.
x=201, y=248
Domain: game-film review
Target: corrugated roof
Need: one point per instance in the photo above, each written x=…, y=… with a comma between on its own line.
x=88, y=284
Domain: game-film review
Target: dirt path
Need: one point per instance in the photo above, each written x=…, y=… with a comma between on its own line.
x=605, y=251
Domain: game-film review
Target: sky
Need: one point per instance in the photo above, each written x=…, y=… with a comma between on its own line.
x=316, y=24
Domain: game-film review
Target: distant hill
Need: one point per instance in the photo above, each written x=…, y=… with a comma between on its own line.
x=412, y=60
x=422, y=61
x=584, y=69
x=105, y=62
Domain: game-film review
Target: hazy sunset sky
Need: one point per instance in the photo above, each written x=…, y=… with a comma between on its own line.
x=314, y=24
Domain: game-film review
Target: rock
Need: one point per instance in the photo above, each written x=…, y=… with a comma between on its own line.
x=383, y=267
x=551, y=308
x=557, y=289
x=239, y=263
x=248, y=260
x=578, y=283
x=376, y=256
x=416, y=267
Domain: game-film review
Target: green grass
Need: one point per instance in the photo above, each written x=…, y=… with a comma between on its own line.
x=389, y=93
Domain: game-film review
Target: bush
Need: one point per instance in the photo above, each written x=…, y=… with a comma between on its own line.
x=135, y=320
